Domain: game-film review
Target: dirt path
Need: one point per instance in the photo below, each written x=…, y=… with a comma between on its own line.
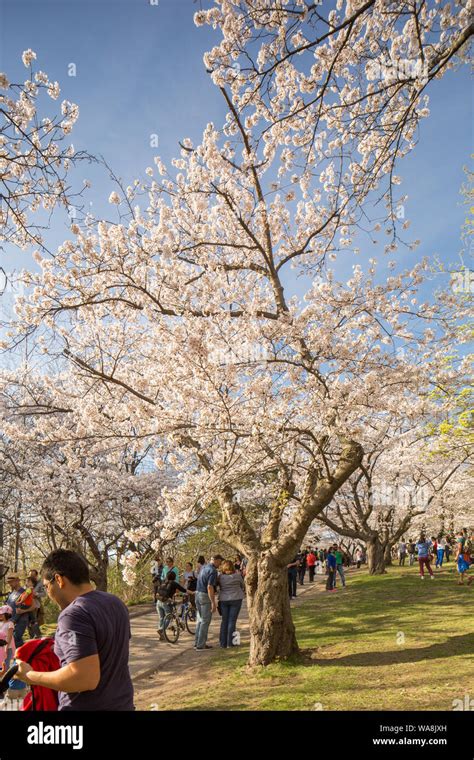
x=161, y=670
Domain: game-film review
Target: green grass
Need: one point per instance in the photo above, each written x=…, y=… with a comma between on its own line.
x=389, y=642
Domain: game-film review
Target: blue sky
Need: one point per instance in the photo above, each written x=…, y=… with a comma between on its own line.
x=140, y=72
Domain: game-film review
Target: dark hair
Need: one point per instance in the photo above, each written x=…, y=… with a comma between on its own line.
x=190, y=564
x=68, y=563
x=7, y=615
x=34, y=571
x=201, y=560
x=170, y=559
x=171, y=576
x=217, y=556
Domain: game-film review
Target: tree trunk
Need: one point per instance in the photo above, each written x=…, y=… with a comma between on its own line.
x=376, y=556
x=272, y=633
x=388, y=555
x=99, y=575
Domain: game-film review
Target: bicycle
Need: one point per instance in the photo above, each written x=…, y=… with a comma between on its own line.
x=176, y=620
x=188, y=614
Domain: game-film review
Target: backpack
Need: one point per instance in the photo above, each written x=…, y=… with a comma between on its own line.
x=41, y=655
x=164, y=592
x=192, y=583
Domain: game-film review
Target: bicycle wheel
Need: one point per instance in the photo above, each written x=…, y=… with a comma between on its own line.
x=190, y=620
x=171, y=628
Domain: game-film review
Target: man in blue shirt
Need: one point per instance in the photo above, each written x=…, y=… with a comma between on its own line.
x=331, y=566
x=206, y=600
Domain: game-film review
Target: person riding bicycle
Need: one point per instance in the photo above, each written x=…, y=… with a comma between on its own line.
x=165, y=594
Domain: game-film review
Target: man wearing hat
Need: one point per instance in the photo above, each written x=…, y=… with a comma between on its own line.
x=20, y=617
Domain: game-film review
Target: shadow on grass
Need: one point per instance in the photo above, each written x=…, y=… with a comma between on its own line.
x=455, y=645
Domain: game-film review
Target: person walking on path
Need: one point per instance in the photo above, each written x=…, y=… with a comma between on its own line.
x=311, y=562
x=91, y=640
x=331, y=568
x=206, y=601
x=447, y=548
x=411, y=550
x=231, y=588
x=440, y=551
x=463, y=556
x=301, y=567
x=338, y=553
x=402, y=553
x=424, y=548
x=292, y=568
x=359, y=556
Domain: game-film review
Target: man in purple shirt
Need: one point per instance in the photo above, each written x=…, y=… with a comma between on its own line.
x=91, y=640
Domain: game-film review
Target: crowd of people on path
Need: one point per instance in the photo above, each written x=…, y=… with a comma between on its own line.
x=214, y=586
x=439, y=549
x=86, y=667
x=329, y=561
x=218, y=586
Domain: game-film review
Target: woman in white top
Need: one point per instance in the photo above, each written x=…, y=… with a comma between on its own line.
x=440, y=551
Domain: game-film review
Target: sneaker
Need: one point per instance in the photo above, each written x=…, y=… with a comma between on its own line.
x=432, y=577
x=422, y=577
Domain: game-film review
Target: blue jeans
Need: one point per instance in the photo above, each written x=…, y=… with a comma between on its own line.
x=204, y=615
x=20, y=628
x=230, y=613
x=439, y=558
x=340, y=570
x=162, y=608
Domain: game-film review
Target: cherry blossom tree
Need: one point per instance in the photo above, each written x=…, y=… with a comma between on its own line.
x=34, y=159
x=178, y=320
x=99, y=501
x=399, y=480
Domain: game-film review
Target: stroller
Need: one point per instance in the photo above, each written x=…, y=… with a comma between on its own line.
x=40, y=654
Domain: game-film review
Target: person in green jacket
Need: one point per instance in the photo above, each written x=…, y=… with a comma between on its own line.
x=339, y=564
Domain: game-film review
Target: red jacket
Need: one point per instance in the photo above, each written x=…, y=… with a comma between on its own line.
x=39, y=653
x=311, y=559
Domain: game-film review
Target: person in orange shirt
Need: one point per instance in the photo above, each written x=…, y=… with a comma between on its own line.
x=311, y=564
